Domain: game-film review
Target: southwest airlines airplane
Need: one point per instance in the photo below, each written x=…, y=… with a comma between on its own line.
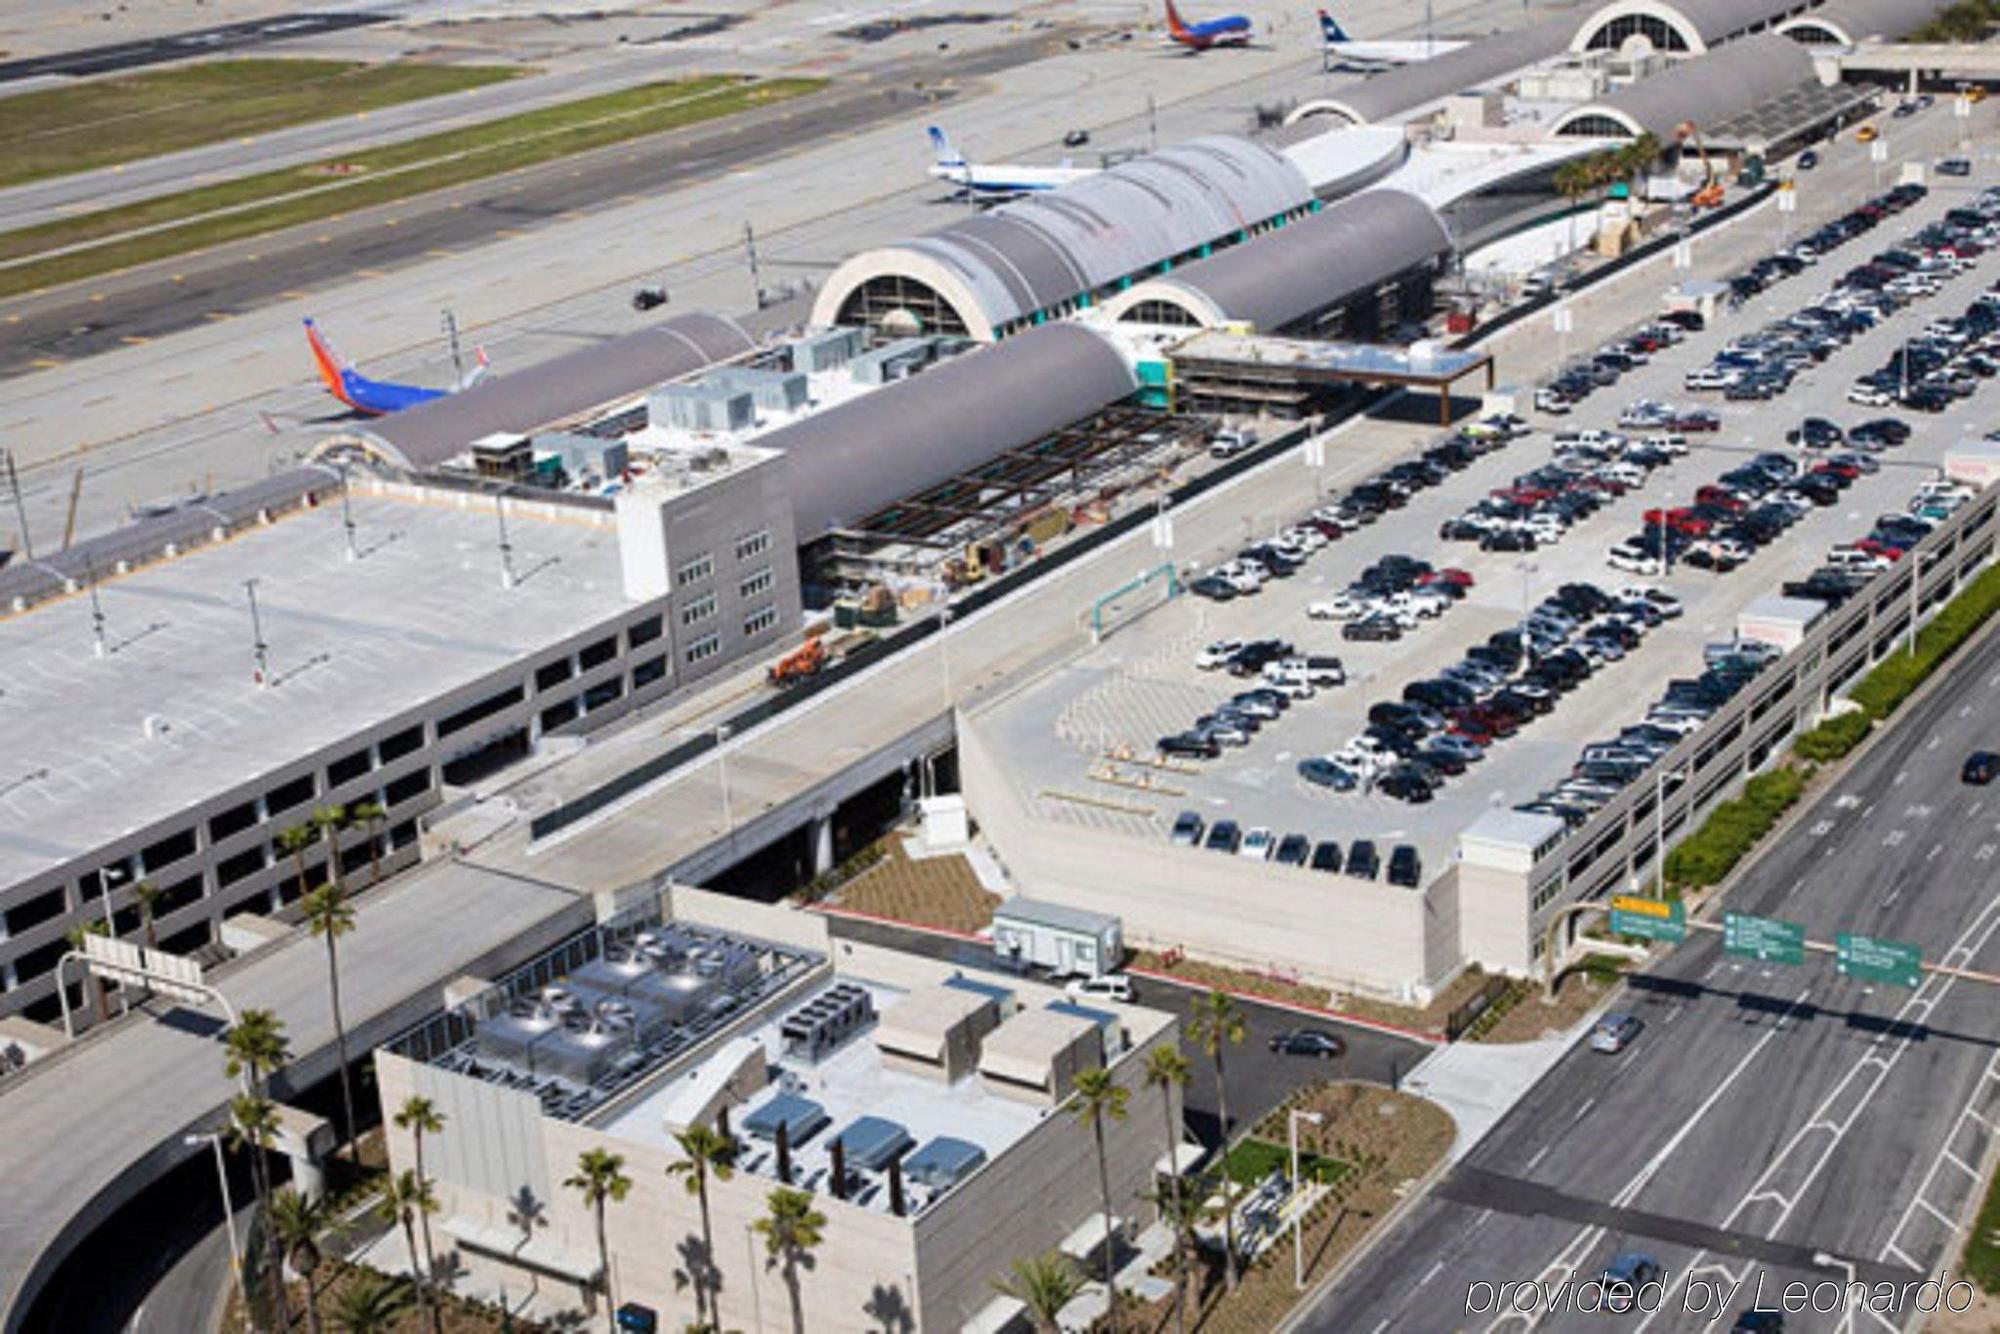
x=372, y=398
x=1233, y=30
x=1003, y=180
x=1375, y=55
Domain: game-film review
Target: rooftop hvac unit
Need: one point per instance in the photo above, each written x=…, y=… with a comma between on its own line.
x=680, y=996
x=583, y=1051
x=514, y=1035
x=826, y=1021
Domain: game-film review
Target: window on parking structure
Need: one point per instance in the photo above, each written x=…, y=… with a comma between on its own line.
x=649, y=671
x=402, y=743
x=348, y=768
x=168, y=850
x=31, y=964
x=602, y=694
x=485, y=708
x=189, y=940
x=240, y=867
x=285, y=796
x=644, y=632
x=552, y=674
x=412, y=784
x=559, y=715
x=225, y=824
x=760, y=582
x=403, y=834
x=596, y=655
x=178, y=896
x=32, y=912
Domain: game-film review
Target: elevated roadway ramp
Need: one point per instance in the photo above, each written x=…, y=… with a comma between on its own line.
x=81, y=1133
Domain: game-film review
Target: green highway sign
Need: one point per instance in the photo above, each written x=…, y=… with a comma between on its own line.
x=1765, y=939
x=1893, y=961
x=1650, y=919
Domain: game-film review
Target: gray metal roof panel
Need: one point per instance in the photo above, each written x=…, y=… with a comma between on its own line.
x=1396, y=92
x=561, y=387
x=1710, y=20
x=1729, y=81
x=1318, y=261
x=855, y=458
x=1859, y=20
x=1044, y=913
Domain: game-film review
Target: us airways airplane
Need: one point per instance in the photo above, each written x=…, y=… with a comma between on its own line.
x=1367, y=55
x=1004, y=180
x=373, y=398
x=1230, y=30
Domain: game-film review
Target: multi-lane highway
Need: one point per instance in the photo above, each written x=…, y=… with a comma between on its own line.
x=1767, y=1113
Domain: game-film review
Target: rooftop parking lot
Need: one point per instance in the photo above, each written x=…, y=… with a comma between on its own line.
x=1142, y=682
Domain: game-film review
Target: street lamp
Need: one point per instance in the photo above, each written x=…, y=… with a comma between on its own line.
x=1916, y=594
x=944, y=652
x=1298, y=1243
x=214, y=1141
x=1660, y=778
x=722, y=733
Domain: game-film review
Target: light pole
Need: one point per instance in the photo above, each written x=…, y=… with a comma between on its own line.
x=1660, y=827
x=944, y=652
x=722, y=761
x=1298, y=1243
x=228, y=1210
x=1916, y=595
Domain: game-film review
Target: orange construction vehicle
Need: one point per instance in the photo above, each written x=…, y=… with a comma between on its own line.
x=1709, y=195
x=801, y=664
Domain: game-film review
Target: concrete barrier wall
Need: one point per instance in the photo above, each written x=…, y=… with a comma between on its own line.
x=1341, y=932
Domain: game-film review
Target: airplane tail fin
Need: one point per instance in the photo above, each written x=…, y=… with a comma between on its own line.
x=1174, y=24
x=1330, y=28
x=479, y=369
x=332, y=366
x=941, y=149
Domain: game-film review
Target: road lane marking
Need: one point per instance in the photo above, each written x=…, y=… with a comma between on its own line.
x=1540, y=1154
x=1894, y=838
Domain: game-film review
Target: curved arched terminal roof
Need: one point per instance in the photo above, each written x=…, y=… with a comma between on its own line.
x=849, y=461
x=548, y=392
x=1311, y=265
x=1051, y=254
x=1400, y=93
x=1852, y=22
x=1692, y=26
x=1708, y=90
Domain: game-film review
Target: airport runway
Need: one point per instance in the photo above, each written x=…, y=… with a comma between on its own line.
x=1766, y=1112
x=82, y=319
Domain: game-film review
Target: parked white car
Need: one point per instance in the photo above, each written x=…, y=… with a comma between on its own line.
x=1217, y=655
x=1343, y=607
x=1109, y=986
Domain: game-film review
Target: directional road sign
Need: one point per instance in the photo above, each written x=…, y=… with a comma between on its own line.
x=1896, y=962
x=1651, y=919
x=1765, y=939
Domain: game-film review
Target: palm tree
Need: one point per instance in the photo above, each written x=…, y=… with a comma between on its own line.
x=252, y=1129
x=297, y=1220
x=1096, y=1098
x=371, y=814
x=254, y=1049
x=1166, y=1070
x=1181, y=1210
x=329, y=917
x=405, y=1196
x=791, y=1231
x=326, y=823
x=100, y=995
x=1216, y=1024
x=295, y=842
x=707, y=1151
x=1572, y=182
x=371, y=1304
x=421, y=1117
x=1044, y=1284
x=600, y=1178
x=147, y=894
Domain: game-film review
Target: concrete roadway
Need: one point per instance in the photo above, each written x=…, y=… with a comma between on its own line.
x=1766, y=1112
x=154, y=300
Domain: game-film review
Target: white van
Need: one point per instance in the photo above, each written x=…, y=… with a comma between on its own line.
x=1108, y=986
x=1231, y=441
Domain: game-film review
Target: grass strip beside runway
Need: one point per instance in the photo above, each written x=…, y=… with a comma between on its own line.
x=106, y=122
x=92, y=244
